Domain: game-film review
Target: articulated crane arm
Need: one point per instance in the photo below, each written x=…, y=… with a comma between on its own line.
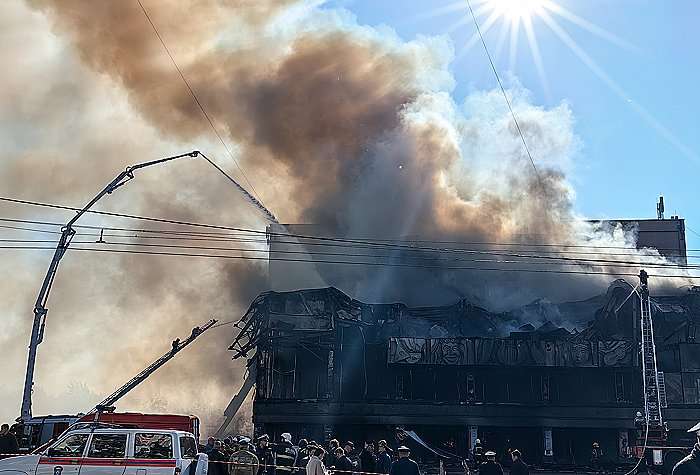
x=67, y=233
x=177, y=345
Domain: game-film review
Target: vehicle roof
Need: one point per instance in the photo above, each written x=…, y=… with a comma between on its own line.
x=101, y=430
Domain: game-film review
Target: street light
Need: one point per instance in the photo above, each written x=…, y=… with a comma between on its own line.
x=67, y=233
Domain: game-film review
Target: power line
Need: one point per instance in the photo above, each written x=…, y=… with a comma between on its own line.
x=373, y=243
x=692, y=231
x=355, y=263
x=526, y=254
x=199, y=104
x=549, y=260
x=505, y=96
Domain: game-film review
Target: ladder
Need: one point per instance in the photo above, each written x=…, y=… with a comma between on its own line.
x=650, y=374
x=662, y=390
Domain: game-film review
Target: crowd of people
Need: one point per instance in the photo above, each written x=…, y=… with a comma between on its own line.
x=283, y=457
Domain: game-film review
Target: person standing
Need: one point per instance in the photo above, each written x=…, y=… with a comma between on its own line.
x=478, y=452
x=8, y=442
x=343, y=463
x=304, y=452
x=490, y=467
x=265, y=456
x=596, y=456
x=383, y=458
x=329, y=458
x=404, y=465
x=518, y=467
x=210, y=445
x=368, y=460
x=243, y=461
x=217, y=460
x=285, y=455
x=315, y=465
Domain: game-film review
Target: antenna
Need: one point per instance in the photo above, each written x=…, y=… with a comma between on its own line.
x=660, y=208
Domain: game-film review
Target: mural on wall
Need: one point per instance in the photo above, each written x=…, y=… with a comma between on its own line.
x=509, y=352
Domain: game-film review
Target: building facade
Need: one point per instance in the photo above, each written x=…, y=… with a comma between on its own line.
x=328, y=365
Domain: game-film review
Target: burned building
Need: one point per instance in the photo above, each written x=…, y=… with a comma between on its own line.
x=326, y=364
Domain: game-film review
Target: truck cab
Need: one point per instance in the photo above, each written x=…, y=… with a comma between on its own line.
x=113, y=451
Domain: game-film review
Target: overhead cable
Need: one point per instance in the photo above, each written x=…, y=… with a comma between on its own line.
x=404, y=243
x=522, y=258
x=505, y=96
x=358, y=263
x=206, y=115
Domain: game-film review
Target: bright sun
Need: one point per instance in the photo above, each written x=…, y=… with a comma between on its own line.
x=516, y=9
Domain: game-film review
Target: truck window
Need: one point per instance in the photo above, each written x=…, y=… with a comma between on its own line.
x=71, y=446
x=153, y=446
x=108, y=446
x=188, y=447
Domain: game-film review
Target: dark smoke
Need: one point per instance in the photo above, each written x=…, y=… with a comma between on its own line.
x=336, y=124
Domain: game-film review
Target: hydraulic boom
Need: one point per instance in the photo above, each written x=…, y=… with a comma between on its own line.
x=67, y=233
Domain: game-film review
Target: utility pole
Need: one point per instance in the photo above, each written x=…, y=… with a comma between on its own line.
x=67, y=233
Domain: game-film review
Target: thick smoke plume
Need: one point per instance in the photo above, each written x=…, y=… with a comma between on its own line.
x=336, y=124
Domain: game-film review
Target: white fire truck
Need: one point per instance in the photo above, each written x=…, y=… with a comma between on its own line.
x=113, y=451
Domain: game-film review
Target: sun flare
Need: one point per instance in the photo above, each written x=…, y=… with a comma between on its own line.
x=516, y=10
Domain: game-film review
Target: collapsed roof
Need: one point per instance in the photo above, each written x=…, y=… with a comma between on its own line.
x=604, y=317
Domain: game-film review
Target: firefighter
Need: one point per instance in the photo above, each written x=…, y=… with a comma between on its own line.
x=596, y=456
x=478, y=452
x=490, y=467
x=243, y=461
x=404, y=465
x=285, y=455
x=265, y=456
x=691, y=464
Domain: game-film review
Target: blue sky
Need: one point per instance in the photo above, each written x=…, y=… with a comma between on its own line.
x=626, y=160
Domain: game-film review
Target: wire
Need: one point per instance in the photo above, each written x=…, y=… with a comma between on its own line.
x=550, y=260
x=692, y=231
x=373, y=242
x=505, y=96
x=195, y=237
x=356, y=263
x=227, y=237
x=196, y=99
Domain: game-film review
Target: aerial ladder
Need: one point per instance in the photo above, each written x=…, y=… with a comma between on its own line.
x=107, y=405
x=652, y=432
x=36, y=431
x=651, y=378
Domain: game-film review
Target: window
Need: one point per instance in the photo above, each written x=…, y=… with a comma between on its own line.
x=153, y=446
x=71, y=446
x=108, y=446
x=188, y=447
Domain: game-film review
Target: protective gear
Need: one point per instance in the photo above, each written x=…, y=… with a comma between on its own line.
x=286, y=455
x=243, y=462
